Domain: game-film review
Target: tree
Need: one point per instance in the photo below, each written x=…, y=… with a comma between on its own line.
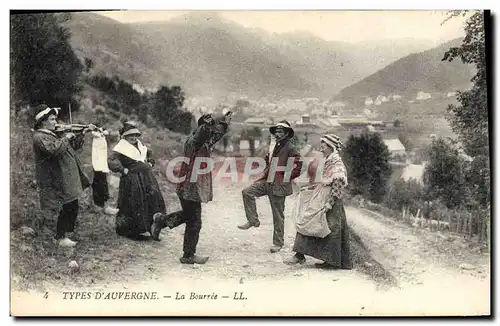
x=477, y=176
x=181, y=122
x=405, y=194
x=166, y=107
x=367, y=161
x=405, y=140
x=89, y=64
x=470, y=119
x=165, y=103
x=251, y=134
x=240, y=105
x=444, y=175
x=44, y=67
x=142, y=113
x=225, y=141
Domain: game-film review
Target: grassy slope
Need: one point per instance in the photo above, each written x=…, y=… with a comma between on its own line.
x=34, y=260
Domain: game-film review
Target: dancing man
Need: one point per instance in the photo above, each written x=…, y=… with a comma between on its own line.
x=273, y=183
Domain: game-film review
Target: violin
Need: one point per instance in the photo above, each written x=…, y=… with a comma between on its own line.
x=77, y=128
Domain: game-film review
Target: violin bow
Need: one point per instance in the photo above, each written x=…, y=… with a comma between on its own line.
x=69, y=109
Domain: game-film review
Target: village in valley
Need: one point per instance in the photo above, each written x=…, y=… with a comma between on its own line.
x=312, y=117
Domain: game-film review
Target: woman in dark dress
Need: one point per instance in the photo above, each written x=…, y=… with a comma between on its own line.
x=322, y=230
x=139, y=195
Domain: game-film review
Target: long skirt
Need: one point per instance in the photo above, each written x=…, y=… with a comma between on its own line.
x=332, y=249
x=139, y=198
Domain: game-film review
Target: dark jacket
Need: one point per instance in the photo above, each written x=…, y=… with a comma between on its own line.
x=283, y=150
x=199, y=144
x=59, y=174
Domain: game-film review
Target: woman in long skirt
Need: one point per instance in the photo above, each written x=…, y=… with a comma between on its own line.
x=322, y=230
x=139, y=195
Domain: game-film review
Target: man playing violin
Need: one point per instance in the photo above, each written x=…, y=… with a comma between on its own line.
x=59, y=174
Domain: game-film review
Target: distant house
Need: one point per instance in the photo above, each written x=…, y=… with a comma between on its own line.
x=423, y=96
x=381, y=99
x=370, y=128
x=360, y=124
x=396, y=148
x=244, y=147
x=368, y=113
x=257, y=121
x=338, y=104
x=292, y=118
x=329, y=123
x=306, y=125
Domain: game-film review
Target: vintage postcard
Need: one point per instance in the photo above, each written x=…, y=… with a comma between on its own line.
x=250, y=163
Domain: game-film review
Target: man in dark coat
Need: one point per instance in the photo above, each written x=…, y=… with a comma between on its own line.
x=274, y=183
x=59, y=174
x=195, y=189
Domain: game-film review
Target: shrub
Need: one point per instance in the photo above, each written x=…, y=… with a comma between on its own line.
x=367, y=161
x=444, y=176
x=23, y=194
x=409, y=194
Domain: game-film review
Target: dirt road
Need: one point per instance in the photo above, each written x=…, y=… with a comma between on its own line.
x=423, y=268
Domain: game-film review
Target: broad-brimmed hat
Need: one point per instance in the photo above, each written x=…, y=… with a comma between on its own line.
x=333, y=141
x=285, y=125
x=129, y=128
x=44, y=111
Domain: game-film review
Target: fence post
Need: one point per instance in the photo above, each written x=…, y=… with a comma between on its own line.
x=439, y=220
x=470, y=225
x=480, y=222
x=488, y=229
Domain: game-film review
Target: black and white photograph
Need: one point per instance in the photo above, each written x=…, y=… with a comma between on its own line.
x=250, y=163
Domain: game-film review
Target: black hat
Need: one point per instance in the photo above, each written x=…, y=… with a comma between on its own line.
x=283, y=124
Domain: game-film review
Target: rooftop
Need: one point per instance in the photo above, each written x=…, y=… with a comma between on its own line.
x=394, y=145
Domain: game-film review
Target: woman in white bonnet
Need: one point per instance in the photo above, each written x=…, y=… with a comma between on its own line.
x=139, y=195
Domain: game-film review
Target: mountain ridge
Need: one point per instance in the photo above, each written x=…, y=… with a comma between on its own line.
x=424, y=71
x=208, y=55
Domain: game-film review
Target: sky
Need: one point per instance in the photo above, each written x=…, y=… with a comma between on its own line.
x=345, y=26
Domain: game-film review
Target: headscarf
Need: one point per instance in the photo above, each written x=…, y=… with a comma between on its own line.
x=334, y=166
x=333, y=141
